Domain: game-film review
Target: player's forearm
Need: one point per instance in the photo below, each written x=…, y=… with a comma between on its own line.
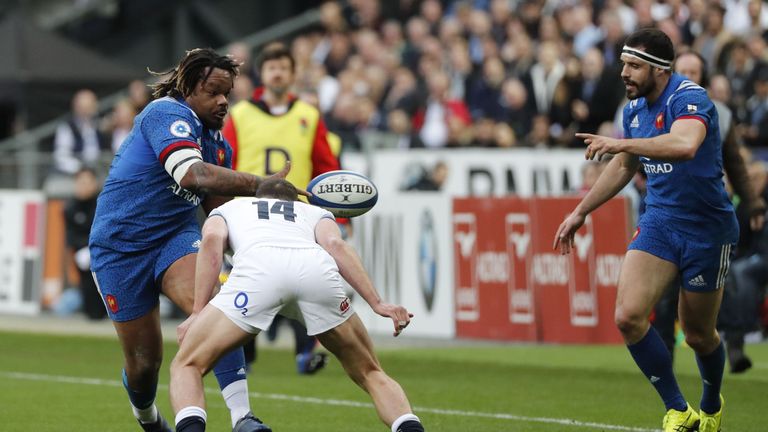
x=207, y=269
x=351, y=268
x=612, y=180
x=669, y=146
x=205, y=178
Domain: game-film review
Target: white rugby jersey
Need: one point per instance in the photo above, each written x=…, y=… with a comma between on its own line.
x=257, y=222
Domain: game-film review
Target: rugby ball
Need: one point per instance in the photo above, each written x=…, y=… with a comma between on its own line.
x=344, y=193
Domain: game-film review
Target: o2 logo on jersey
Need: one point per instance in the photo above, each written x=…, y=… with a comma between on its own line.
x=241, y=301
x=181, y=129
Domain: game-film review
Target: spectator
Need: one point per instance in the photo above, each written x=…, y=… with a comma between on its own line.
x=441, y=116
x=544, y=76
x=78, y=140
x=399, y=124
x=78, y=217
x=539, y=136
x=755, y=130
x=432, y=179
x=484, y=96
x=518, y=111
x=138, y=94
x=122, y=122
x=711, y=42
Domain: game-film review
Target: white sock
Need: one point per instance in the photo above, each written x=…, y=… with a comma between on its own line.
x=146, y=415
x=402, y=419
x=190, y=411
x=236, y=398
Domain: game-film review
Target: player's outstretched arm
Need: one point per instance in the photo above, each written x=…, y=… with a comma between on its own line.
x=328, y=236
x=681, y=143
x=614, y=177
x=206, y=178
x=207, y=267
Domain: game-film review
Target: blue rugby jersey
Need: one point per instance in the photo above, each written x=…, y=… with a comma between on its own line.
x=688, y=195
x=141, y=203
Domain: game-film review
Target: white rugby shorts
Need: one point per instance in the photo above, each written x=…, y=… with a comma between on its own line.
x=299, y=283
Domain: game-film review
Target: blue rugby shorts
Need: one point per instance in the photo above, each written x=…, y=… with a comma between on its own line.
x=129, y=282
x=703, y=266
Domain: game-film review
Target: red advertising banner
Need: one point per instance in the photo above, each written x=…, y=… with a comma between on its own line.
x=493, y=241
x=511, y=285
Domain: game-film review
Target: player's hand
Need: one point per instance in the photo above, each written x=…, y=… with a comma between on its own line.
x=181, y=330
x=598, y=145
x=566, y=231
x=283, y=173
x=399, y=315
x=757, y=214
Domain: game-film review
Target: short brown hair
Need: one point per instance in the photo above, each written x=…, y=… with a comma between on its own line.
x=275, y=51
x=277, y=188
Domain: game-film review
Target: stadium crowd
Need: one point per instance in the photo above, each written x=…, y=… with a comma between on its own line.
x=502, y=73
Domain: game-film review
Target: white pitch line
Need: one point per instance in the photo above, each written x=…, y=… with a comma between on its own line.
x=337, y=402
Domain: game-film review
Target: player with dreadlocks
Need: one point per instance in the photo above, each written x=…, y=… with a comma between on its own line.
x=145, y=236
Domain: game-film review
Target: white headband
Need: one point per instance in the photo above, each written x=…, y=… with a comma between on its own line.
x=647, y=58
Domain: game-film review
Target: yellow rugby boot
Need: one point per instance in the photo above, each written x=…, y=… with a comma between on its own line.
x=711, y=422
x=681, y=421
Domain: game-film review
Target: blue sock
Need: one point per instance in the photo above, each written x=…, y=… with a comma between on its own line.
x=139, y=400
x=230, y=368
x=711, y=368
x=654, y=360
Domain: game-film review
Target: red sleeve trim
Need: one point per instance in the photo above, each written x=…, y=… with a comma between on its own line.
x=176, y=146
x=323, y=159
x=230, y=134
x=704, y=122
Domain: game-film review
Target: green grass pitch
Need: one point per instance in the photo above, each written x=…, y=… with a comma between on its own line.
x=67, y=383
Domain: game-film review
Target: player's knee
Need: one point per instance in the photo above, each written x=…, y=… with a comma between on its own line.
x=701, y=341
x=183, y=360
x=628, y=322
x=143, y=369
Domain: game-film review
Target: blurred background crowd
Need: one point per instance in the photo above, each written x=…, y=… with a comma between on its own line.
x=476, y=73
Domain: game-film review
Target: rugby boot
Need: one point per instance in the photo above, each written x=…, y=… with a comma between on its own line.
x=249, y=423
x=309, y=363
x=681, y=421
x=711, y=422
x=158, y=426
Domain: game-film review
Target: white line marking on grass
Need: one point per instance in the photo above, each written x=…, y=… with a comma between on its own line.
x=337, y=402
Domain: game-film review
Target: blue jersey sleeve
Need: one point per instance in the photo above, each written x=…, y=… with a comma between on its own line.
x=168, y=128
x=625, y=120
x=693, y=103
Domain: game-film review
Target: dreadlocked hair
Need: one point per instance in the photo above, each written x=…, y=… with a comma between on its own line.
x=196, y=66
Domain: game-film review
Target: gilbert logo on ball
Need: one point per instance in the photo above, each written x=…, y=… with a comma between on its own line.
x=343, y=193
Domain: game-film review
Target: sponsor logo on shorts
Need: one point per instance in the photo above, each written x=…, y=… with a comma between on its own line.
x=241, y=301
x=698, y=281
x=344, y=306
x=112, y=303
x=196, y=244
